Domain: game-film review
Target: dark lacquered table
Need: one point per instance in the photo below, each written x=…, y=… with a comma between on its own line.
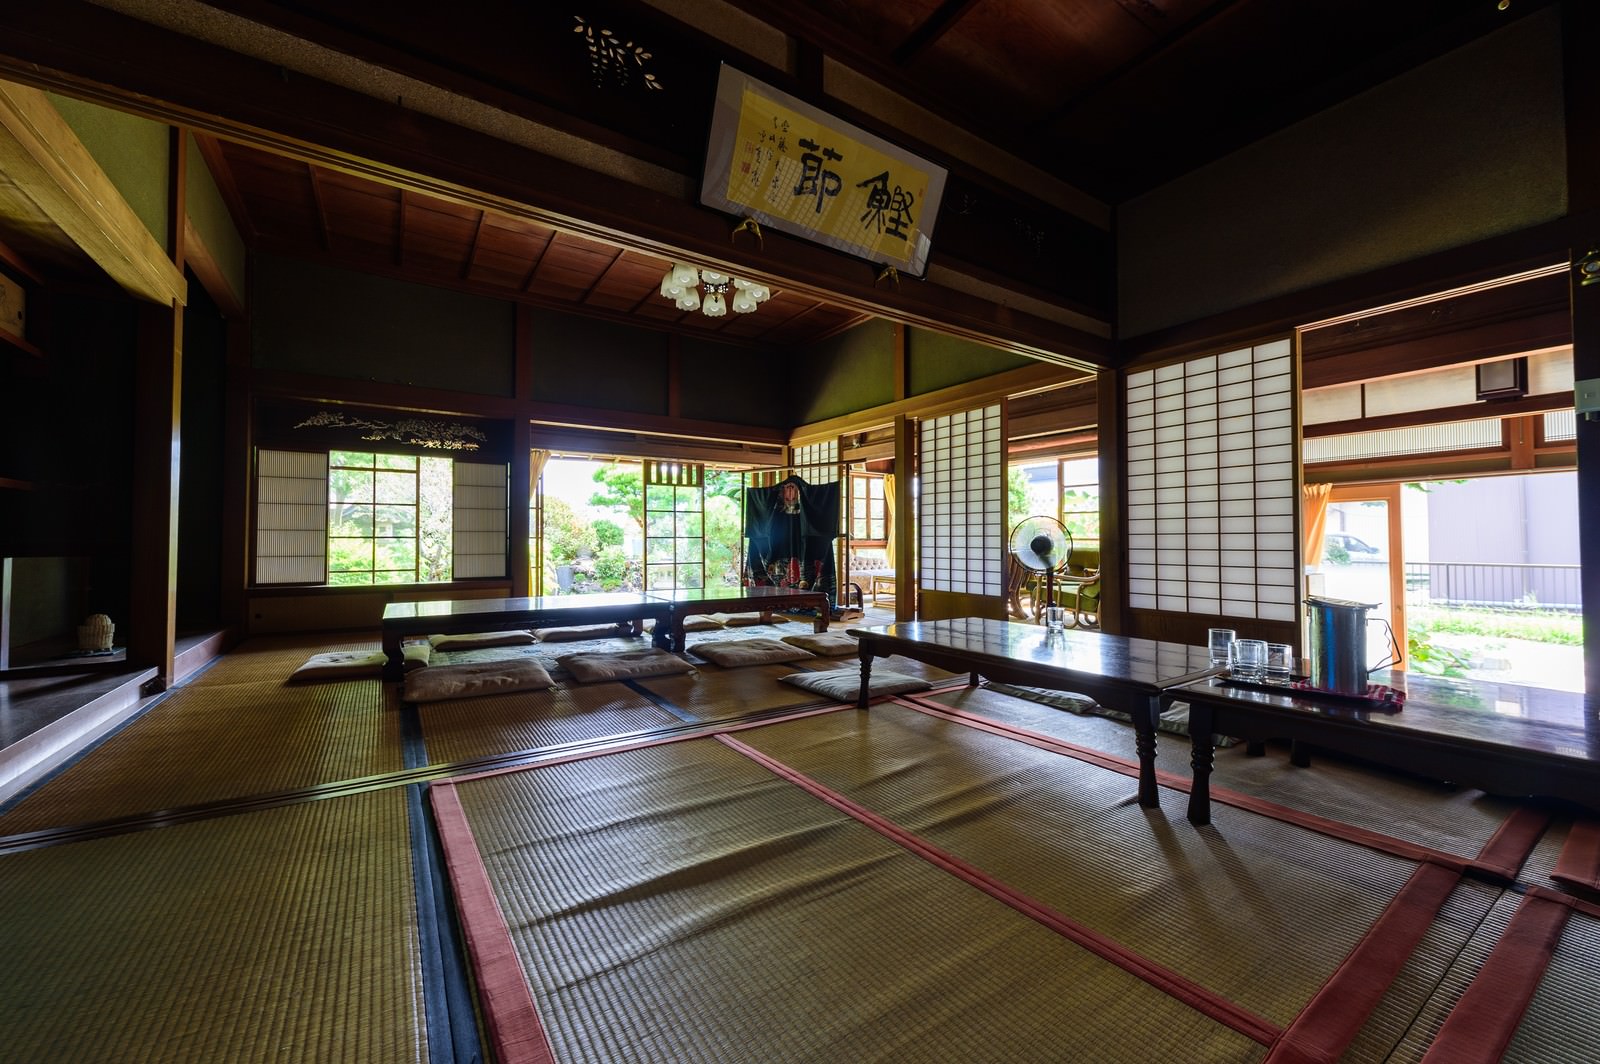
x=1503, y=738
x=457, y=616
x=1116, y=671
x=687, y=602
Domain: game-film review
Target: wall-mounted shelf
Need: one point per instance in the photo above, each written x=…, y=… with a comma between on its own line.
x=17, y=343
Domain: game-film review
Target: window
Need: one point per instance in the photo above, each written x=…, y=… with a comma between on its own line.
x=346, y=518
x=1080, y=500
x=868, y=518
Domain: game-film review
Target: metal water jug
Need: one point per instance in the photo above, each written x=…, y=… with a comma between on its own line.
x=1338, y=644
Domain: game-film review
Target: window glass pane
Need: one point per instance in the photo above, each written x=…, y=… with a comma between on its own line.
x=347, y=520
x=395, y=487
x=396, y=461
x=659, y=526
x=346, y=555
x=659, y=497
x=690, y=525
x=395, y=521
x=658, y=550
x=337, y=579
x=690, y=576
x=397, y=554
x=349, y=485
x=350, y=458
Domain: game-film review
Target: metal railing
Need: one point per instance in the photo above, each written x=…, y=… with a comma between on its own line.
x=1495, y=585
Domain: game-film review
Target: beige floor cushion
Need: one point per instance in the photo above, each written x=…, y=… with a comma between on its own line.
x=825, y=644
x=576, y=635
x=743, y=620
x=478, y=640
x=626, y=665
x=700, y=622
x=471, y=679
x=356, y=664
x=733, y=653
x=844, y=685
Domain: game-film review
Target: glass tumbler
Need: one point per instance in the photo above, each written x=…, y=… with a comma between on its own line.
x=1220, y=641
x=1249, y=659
x=1280, y=662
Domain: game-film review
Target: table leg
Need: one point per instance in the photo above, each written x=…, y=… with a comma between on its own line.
x=866, y=678
x=821, y=623
x=1144, y=740
x=394, y=668
x=680, y=639
x=1299, y=754
x=1201, y=755
x=1255, y=748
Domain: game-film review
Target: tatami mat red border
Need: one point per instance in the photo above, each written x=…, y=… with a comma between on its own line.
x=1486, y=1018
x=1579, y=863
x=508, y=1009
x=1165, y=979
x=1508, y=849
x=1333, y=1018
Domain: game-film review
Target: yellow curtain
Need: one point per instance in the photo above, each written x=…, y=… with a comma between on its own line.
x=888, y=508
x=536, y=462
x=1314, y=515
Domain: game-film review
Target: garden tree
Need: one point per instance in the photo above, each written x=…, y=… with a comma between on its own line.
x=608, y=533
x=722, y=541
x=435, y=513
x=567, y=534
x=621, y=488
x=1017, y=505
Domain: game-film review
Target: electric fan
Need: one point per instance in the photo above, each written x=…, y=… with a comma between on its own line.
x=1042, y=545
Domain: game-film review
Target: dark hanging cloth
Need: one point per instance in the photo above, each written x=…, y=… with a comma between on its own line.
x=791, y=528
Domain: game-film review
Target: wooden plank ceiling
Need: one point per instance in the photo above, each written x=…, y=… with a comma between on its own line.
x=288, y=207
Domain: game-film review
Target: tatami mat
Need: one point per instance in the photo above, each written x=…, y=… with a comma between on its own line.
x=463, y=729
x=265, y=659
x=1439, y=816
x=1043, y=822
x=680, y=903
x=714, y=693
x=283, y=935
x=210, y=742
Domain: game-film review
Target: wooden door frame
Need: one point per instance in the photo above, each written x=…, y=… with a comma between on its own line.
x=1389, y=494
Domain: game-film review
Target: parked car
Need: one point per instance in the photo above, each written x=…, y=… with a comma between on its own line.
x=1353, y=545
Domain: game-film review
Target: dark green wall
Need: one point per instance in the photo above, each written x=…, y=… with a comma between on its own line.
x=845, y=373
x=134, y=152
x=212, y=221
x=588, y=362
x=940, y=361
x=309, y=318
x=720, y=382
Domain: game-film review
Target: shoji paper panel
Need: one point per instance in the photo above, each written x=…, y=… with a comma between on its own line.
x=961, y=503
x=480, y=520
x=291, y=517
x=1211, y=485
x=817, y=463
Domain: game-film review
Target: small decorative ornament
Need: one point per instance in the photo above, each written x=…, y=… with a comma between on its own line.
x=95, y=633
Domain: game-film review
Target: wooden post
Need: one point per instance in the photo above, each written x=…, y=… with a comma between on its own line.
x=905, y=519
x=523, y=583
x=1113, y=545
x=158, y=381
x=5, y=614
x=1580, y=39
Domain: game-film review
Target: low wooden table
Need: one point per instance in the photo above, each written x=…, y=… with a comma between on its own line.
x=1503, y=738
x=690, y=601
x=1116, y=671
x=458, y=616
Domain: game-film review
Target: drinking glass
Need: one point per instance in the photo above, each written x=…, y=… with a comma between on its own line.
x=1055, y=616
x=1220, y=640
x=1280, y=662
x=1249, y=659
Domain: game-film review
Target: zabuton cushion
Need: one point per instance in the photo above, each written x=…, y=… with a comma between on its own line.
x=701, y=622
x=733, y=653
x=626, y=665
x=479, y=640
x=743, y=620
x=575, y=635
x=356, y=664
x=474, y=678
x=825, y=644
x=844, y=685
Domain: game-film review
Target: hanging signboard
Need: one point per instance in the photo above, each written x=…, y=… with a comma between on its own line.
x=796, y=169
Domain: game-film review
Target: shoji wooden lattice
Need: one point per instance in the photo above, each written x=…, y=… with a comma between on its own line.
x=480, y=520
x=674, y=525
x=961, y=506
x=1212, y=485
x=291, y=517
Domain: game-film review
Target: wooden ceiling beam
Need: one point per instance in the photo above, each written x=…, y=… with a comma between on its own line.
x=400, y=230
x=320, y=210
x=928, y=32
x=472, y=250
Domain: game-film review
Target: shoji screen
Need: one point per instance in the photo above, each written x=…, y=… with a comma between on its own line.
x=291, y=517
x=961, y=503
x=1212, y=485
x=480, y=520
x=817, y=463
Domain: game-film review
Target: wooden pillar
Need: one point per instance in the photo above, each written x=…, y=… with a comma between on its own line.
x=1581, y=42
x=522, y=582
x=5, y=614
x=1113, y=543
x=158, y=379
x=238, y=480
x=905, y=519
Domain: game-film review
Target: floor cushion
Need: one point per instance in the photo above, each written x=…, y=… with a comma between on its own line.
x=578, y=634
x=625, y=665
x=733, y=653
x=743, y=620
x=471, y=679
x=476, y=640
x=825, y=644
x=356, y=664
x=844, y=685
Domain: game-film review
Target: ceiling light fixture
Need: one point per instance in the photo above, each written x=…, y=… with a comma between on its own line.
x=683, y=285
